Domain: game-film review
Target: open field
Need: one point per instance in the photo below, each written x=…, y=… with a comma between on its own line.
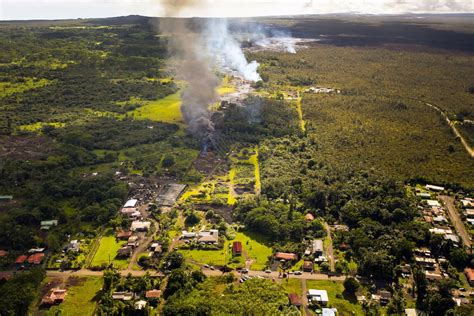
x=79, y=299
x=335, y=289
x=163, y=110
x=107, y=252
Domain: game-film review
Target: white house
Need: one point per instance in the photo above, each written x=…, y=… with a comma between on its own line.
x=131, y=203
x=433, y=203
x=318, y=296
x=434, y=187
x=140, y=226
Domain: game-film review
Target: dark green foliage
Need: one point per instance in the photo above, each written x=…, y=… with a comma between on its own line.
x=19, y=292
x=351, y=285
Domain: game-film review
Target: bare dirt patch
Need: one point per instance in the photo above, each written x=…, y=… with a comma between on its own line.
x=25, y=147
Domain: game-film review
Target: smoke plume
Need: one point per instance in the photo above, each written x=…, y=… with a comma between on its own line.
x=196, y=54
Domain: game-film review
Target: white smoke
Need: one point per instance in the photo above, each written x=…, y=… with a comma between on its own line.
x=226, y=49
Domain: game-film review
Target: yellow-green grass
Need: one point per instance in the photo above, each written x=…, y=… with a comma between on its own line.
x=293, y=286
x=344, y=307
x=79, y=299
x=108, y=251
x=251, y=244
x=34, y=127
x=300, y=114
x=163, y=110
x=254, y=160
x=8, y=88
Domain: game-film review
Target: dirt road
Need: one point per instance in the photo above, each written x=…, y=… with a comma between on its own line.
x=456, y=219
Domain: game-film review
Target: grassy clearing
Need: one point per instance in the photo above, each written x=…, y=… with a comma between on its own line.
x=9, y=88
x=292, y=286
x=335, y=289
x=252, y=244
x=79, y=299
x=300, y=114
x=164, y=110
x=107, y=251
x=35, y=127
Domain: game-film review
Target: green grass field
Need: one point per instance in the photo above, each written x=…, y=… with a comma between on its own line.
x=8, y=88
x=79, y=299
x=108, y=250
x=251, y=244
x=164, y=110
x=292, y=286
x=344, y=307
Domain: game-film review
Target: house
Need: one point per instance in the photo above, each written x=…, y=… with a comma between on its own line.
x=318, y=296
x=153, y=294
x=424, y=195
x=187, y=235
x=141, y=304
x=36, y=250
x=453, y=238
x=5, y=276
x=433, y=203
x=35, y=258
x=74, y=245
x=122, y=296
x=133, y=241
x=139, y=226
x=237, y=248
x=21, y=259
x=286, y=256
x=469, y=272
x=318, y=248
x=329, y=311
x=131, y=203
x=308, y=266
x=208, y=237
x=6, y=197
x=3, y=253
x=124, y=234
x=428, y=263
x=467, y=203
x=470, y=221
x=433, y=276
x=469, y=213
x=385, y=297
x=124, y=252
x=440, y=231
x=46, y=225
x=434, y=187
x=309, y=217
x=128, y=211
x=410, y=312
x=54, y=296
x=156, y=248
x=440, y=219
x=295, y=300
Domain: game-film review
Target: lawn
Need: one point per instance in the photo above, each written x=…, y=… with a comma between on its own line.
x=292, y=286
x=79, y=298
x=107, y=251
x=164, y=110
x=251, y=244
x=335, y=289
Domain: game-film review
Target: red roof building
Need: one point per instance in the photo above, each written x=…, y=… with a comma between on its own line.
x=21, y=259
x=3, y=253
x=295, y=299
x=469, y=272
x=153, y=294
x=124, y=234
x=237, y=248
x=286, y=256
x=36, y=258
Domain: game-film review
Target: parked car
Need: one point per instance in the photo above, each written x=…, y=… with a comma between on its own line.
x=268, y=271
x=244, y=270
x=298, y=273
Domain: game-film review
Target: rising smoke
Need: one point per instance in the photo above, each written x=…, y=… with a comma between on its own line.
x=196, y=54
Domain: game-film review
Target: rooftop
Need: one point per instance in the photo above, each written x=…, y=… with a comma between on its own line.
x=286, y=256
x=153, y=294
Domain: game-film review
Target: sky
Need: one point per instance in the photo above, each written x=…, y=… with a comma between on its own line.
x=66, y=9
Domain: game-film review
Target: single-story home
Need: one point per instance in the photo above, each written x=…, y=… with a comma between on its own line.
x=36, y=250
x=433, y=203
x=208, y=236
x=153, y=294
x=131, y=203
x=286, y=256
x=453, y=238
x=124, y=234
x=3, y=253
x=140, y=226
x=433, y=276
x=469, y=213
x=424, y=195
x=318, y=296
x=125, y=252
x=329, y=311
x=440, y=231
x=74, y=245
x=309, y=217
x=318, y=247
x=295, y=300
x=434, y=187
x=467, y=203
x=308, y=266
x=21, y=259
x=410, y=312
x=141, y=304
x=54, y=296
x=35, y=258
x=122, y=296
x=385, y=297
x=46, y=225
x=469, y=272
x=237, y=248
x=187, y=235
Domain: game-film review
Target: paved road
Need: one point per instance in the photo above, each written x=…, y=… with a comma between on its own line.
x=456, y=219
x=208, y=272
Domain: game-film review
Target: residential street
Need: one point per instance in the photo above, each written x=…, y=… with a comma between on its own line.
x=455, y=217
